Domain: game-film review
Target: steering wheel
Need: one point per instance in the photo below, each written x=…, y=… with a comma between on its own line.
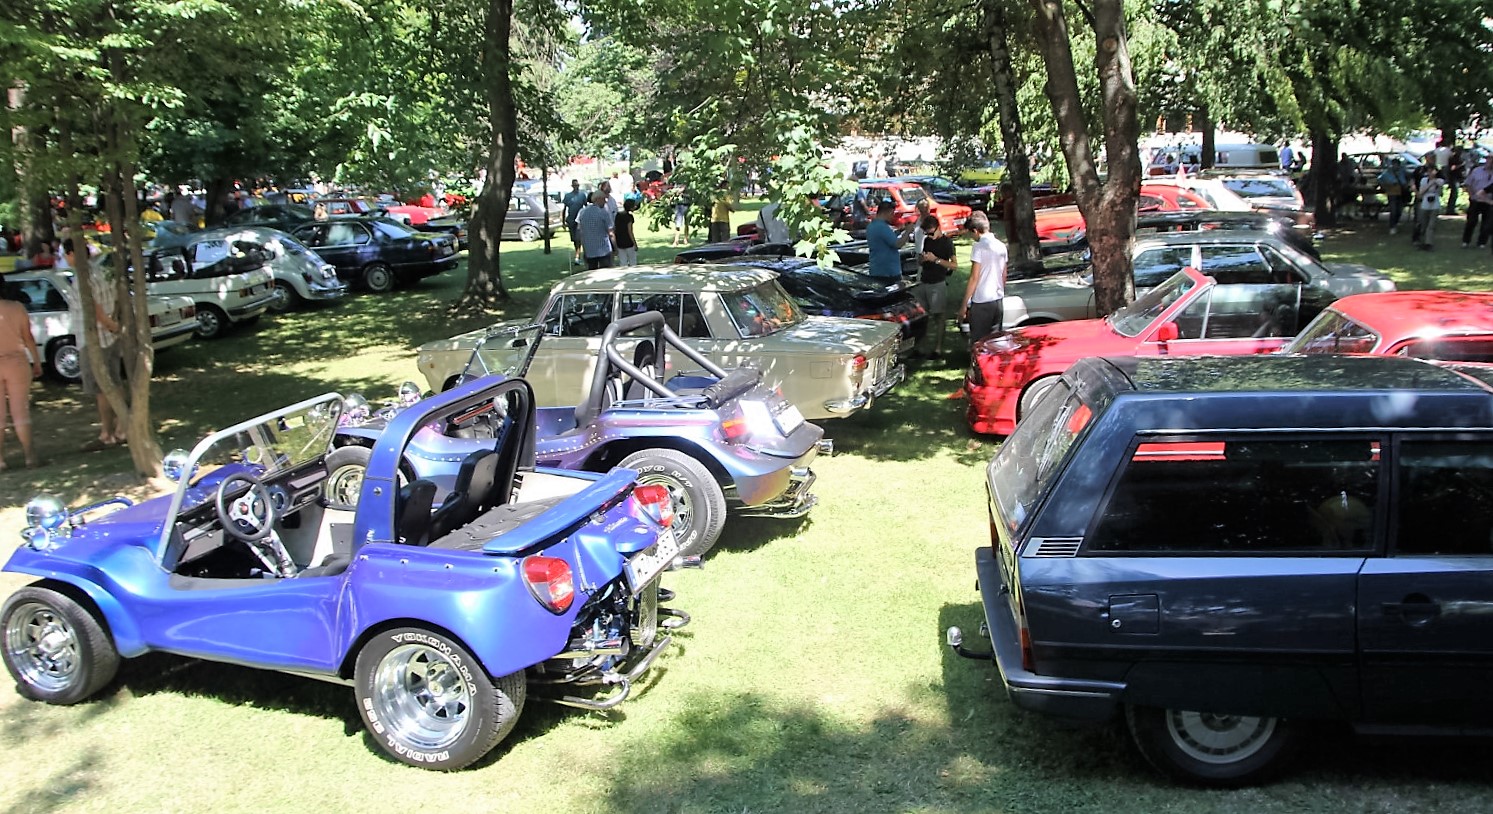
x=250, y=517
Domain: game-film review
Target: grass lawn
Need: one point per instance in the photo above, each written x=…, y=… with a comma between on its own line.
x=812, y=679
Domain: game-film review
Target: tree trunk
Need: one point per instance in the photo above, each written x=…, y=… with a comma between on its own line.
x=213, y=211
x=484, y=270
x=1324, y=178
x=1209, y=148
x=1023, y=237
x=1108, y=208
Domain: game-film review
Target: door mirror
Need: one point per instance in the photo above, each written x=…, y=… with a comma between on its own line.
x=1167, y=332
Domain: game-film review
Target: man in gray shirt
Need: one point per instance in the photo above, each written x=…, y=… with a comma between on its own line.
x=595, y=226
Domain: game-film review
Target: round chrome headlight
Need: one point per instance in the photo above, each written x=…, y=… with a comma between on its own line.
x=355, y=409
x=46, y=512
x=409, y=393
x=174, y=465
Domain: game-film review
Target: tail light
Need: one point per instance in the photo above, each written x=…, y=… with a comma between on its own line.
x=550, y=582
x=976, y=373
x=190, y=312
x=655, y=502
x=1028, y=663
x=858, y=369
x=154, y=320
x=735, y=427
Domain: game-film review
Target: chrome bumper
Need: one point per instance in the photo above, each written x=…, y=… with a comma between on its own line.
x=796, y=501
x=878, y=389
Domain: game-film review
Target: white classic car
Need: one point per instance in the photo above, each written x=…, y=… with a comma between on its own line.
x=50, y=298
x=229, y=281
x=738, y=317
x=300, y=274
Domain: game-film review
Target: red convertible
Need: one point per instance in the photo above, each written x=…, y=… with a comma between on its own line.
x=1453, y=326
x=1188, y=315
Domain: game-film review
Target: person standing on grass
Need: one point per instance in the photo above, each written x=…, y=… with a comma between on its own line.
x=933, y=292
x=883, y=242
x=20, y=361
x=681, y=218
x=574, y=201
x=1428, y=207
x=987, y=280
x=627, y=242
x=110, y=433
x=594, y=225
x=1396, y=185
x=720, y=215
x=1479, y=186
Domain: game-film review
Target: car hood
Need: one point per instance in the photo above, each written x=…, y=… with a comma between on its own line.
x=1079, y=337
x=1356, y=278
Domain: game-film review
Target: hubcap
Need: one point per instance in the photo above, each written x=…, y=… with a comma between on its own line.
x=684, y=509
x=345, y=484
x=207, y=323
x=1218, y=739
x=420, y=694
x=42, y=647
x=68, y=362
x=281, y=302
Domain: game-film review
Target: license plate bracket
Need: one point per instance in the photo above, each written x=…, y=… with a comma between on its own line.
x=647, y=564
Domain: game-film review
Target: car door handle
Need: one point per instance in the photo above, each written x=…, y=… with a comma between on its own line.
x=1413, y=609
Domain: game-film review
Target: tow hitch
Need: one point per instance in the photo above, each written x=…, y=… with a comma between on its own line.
x=955, y=637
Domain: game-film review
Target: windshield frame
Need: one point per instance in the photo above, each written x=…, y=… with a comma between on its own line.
x=504, y=336
x=1330, y=323
x=1151, y=305
x=330, y=402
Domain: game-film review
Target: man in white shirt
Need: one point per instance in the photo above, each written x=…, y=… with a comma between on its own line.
x=987, y=280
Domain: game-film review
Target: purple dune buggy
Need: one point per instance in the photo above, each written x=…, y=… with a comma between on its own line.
x=709, y=435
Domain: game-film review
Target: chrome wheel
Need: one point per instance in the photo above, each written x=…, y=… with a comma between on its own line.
x=421, y=694
x=345, y=484
x=1218, y=739
x=528, y=233
x=67, y=362
x=684, y=508
x=42, y=647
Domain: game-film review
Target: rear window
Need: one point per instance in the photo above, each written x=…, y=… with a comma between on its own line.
x=1451, y=349
x=1034, y=454
x=762, y=309
x=1243, y=495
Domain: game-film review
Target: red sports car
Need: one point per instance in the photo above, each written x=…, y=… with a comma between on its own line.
x=1453, y=326
x=1188, y=315
x=1062, y=224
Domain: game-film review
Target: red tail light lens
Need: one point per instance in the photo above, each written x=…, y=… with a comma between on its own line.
x=656, y=503
x=189, y=312
x=858, y=364
x=734, y=427
x=550, y=582
x=154, y=320
x=1028, y=663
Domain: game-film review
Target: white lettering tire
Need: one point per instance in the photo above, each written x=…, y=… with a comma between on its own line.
x=428, y=702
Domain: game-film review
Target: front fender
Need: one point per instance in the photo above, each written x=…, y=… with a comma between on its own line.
x=90, y=580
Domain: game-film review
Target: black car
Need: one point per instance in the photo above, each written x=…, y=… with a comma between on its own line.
x=378, y=252
x=946, y=191
x=285, y=217
x=841, y=292
x=854, y=253
x=1226, y=551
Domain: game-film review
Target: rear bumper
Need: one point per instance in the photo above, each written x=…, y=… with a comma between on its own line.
x=252, y=309
x=325, y=292
x=1070, y=698
x=174, y=335
x=841, y=407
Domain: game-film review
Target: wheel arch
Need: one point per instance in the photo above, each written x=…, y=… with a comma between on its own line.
x=110, y=615
x=350, y=657
x=610, y=454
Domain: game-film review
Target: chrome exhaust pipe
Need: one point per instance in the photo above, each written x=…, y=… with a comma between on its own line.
x=826, y=446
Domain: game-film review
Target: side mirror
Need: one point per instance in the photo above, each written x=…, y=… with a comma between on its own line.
x=1167, y=332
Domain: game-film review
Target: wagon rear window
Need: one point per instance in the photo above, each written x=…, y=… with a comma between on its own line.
x=1243, y=495
x=1033, y=455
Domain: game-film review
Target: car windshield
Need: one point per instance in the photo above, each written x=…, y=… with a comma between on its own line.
x=1332, y=332
x=392, y=228
x=762, y=309
x=504, y=352
x=262, y=447
x=1133, y=318
x=1034, y=453
x=1261, y=187
x=911, y=195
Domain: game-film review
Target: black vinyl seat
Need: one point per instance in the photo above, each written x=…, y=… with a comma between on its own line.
x=412, y=519
x=474, y=486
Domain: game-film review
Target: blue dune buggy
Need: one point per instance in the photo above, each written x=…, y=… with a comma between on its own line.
x=443, y=606
x=709, y=435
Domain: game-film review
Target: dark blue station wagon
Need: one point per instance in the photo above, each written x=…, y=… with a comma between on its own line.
x=1220, y=548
